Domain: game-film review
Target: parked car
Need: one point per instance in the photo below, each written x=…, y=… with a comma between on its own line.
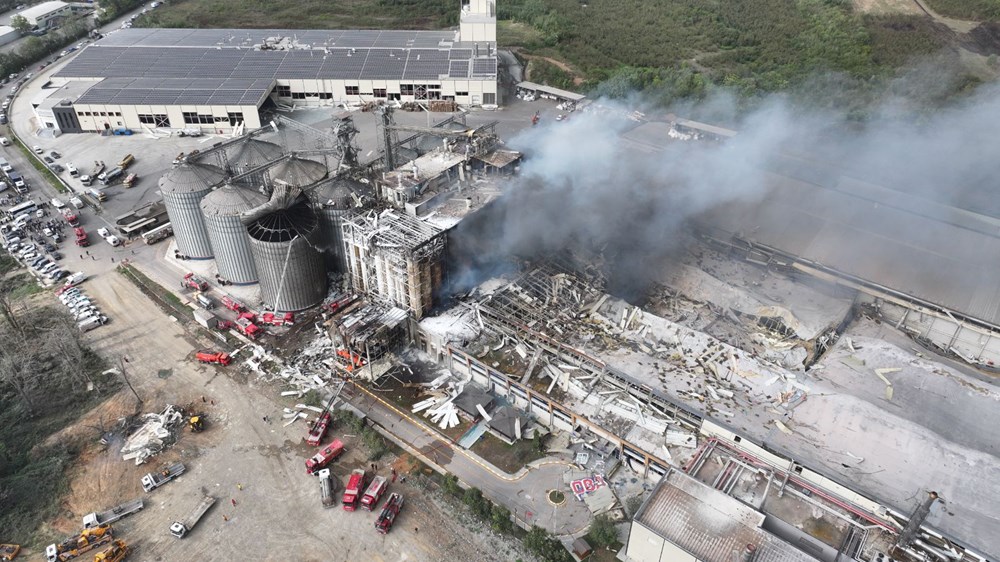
x=55, y=154
x=48, y=159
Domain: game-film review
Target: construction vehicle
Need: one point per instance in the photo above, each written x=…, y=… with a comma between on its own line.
x=388, y=515
x=9, y=551
x=92, y=520
x=205, y=356
x=81, y=237
x=233, y=304
x=352, y=493
x=318, y=429
x=350, y=361
x=115, y=553
x=248, y=328
x=192, y=281
x=130, y=181
x=326, y=490
x=374, y=492
x=126, y=162
x=154, y=480
x=325, y=456
x=181, y=528
x=197, y=423
x=87, y=540
x=286, y=319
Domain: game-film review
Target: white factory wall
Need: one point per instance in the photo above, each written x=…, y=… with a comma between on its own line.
x=94, y=117
x=463, y=92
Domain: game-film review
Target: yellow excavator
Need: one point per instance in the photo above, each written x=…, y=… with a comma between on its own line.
x=196, y=423
x=87, y=540
x=115, y=553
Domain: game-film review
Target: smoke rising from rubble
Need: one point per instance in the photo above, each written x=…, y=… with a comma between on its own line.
x=583, y=188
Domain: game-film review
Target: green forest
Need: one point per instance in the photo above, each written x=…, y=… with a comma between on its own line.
x=818, y=51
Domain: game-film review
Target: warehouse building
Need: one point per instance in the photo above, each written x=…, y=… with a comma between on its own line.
x=8, y=34
x=217, y=80
x=47, y=14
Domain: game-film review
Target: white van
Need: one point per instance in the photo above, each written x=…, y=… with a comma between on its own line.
x=72, y=170
x=4, y=141
x=89, y=324
x=58, y=204
x=76, y=202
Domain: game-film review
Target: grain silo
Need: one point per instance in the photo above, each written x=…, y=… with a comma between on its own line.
x=230, y=242
x=248, y=154
x=297, y=172
x=183, y=187
x=332, y=200
x=291, y=270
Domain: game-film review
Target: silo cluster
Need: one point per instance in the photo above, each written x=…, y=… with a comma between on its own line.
x=260, y=228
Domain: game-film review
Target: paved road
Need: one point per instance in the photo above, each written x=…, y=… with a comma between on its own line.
x=525, y=494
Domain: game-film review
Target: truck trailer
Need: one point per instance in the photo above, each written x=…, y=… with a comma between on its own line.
x=181, y=528
x=154, y=480
x=92, y=520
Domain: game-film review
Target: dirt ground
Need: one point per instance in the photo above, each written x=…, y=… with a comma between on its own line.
x=879, y=7
x=277, y=514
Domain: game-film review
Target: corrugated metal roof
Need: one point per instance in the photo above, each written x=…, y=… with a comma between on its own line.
x=188, y=177
x=299, y=172
x=711, y=525
x=231, y=200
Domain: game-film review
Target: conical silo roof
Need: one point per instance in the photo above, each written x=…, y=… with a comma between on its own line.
x=334, y=194
x=252, y=153
x=231, y=200
x=297, y=171
x=190, y=177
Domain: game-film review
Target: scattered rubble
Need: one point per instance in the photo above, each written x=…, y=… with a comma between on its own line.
x=157, y=433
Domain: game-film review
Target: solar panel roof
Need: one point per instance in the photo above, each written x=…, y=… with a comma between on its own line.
x=199, y=66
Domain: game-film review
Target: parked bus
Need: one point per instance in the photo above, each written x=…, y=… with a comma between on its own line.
x=158, y=233
x=27, y=206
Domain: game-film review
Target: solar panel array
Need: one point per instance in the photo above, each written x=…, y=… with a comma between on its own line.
x=345, y=39
x=222, y=66
x=176, y=91
x=330, y=64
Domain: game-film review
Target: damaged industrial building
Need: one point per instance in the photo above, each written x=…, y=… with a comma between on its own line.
x=753, y=384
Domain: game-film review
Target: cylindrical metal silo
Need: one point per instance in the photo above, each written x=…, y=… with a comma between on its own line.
x=230, y=242
x=299, y=172
x=291, y=270
x=332, y=201
x=248, y=154
x=182, y=188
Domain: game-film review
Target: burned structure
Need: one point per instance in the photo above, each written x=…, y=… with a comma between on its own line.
x=396, y=258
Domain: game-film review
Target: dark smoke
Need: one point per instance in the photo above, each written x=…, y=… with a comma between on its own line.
x=583, y=189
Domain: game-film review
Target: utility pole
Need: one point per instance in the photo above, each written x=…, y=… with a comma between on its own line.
x=121, y=363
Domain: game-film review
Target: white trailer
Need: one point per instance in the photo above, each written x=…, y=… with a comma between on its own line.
x=181, y=528
x=326, y=488
x=92, y=520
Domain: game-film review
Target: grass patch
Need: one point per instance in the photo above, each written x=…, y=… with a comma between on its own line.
x=26, y=285
x=8, y=263
x=557, y=497
x=166, y=300
x=508, y=458
x=518, y=34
